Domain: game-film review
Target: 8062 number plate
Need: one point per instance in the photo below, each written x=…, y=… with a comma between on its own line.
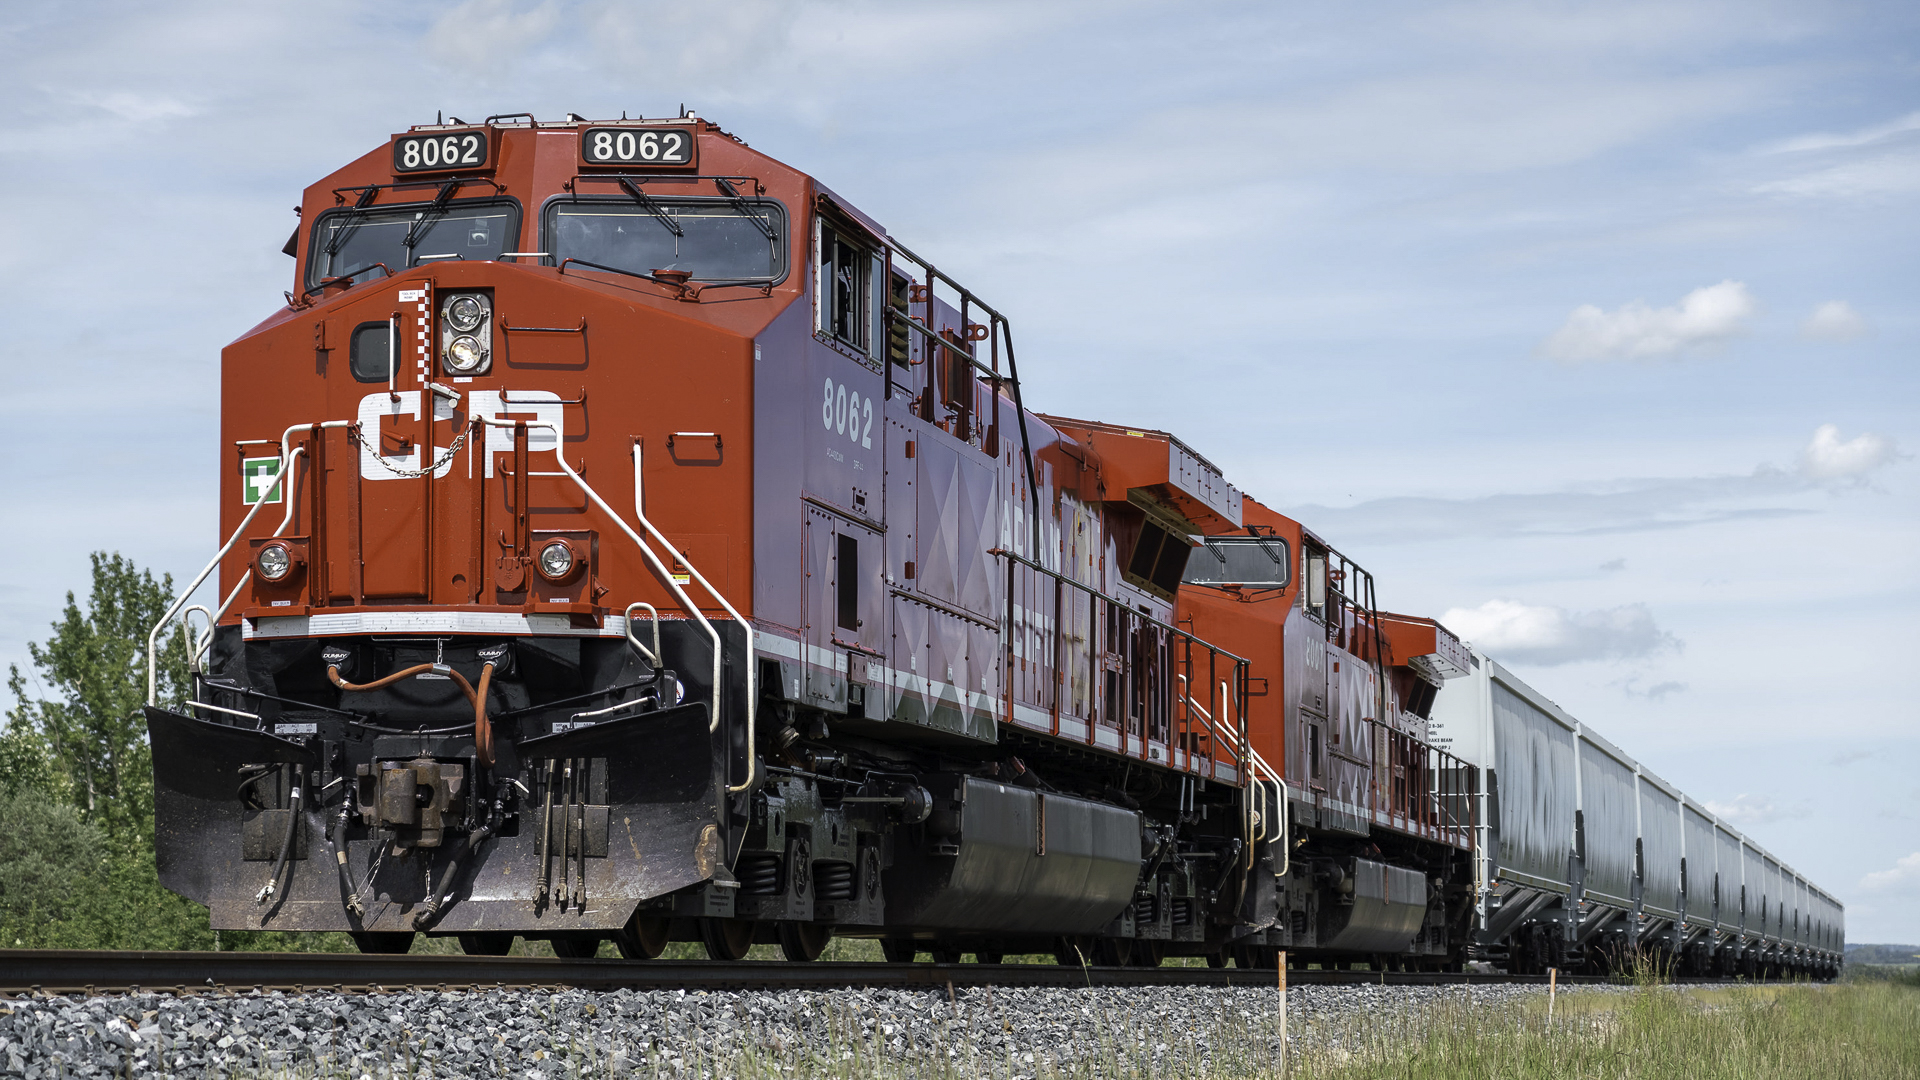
x=441, y=151
x=637, y=146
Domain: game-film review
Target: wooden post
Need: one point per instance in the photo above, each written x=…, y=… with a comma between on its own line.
x=1553, y=986
x=1283, y=1012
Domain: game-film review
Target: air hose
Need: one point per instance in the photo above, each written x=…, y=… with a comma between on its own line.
x=482, y=726
x=286, y=846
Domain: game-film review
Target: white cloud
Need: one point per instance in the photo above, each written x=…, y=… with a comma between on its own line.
x=1905, y=870
x=484, y=37
x=1834, y=320
x=1635, y=331
x=1883, y=174
x=1511, y=631
x=1828, y=459
x=1747, y=809
x=1845, y=140
x=137, y=108
x=1621, y=506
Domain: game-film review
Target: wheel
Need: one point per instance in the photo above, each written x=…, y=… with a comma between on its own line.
x=945, y=955
x=1148, y=953
x=576, y=948
x=899, y=950
x=727, y=939
x=1245, y=956
x=1217, y=959
x=643, y=938
x=486, y=944
x=388, y=942
x=1113, y=952
x=989, y=956
x=804, y=942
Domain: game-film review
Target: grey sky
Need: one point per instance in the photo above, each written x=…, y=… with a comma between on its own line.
x=1541, y=312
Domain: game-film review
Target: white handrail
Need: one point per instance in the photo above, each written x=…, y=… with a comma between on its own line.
x=653, y=657
x=674, y=586
x=286, y=489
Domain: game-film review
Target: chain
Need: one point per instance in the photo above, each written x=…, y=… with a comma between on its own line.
x=459, y=441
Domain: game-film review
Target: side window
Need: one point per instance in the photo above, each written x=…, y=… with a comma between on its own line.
x=370, y=351
x=897, y=297
x=844, y=291
x=1159, y=559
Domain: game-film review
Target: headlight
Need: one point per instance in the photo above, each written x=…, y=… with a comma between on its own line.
x=465, y=354
x=274, y=561
x=556, y=560
x=465, y=313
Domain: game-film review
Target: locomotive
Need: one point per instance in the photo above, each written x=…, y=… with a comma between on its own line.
x=627, y=539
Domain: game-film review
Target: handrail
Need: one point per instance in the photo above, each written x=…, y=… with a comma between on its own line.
x=679, y=594
x=280, y=482
x=1091, y=591
x=654, y=656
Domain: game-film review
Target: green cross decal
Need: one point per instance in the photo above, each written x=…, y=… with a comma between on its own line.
x=257, y=475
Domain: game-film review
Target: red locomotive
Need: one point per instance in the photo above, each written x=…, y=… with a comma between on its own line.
x=625, y=537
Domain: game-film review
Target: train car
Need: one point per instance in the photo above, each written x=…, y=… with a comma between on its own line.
x=624, y=538
x=1586, y=859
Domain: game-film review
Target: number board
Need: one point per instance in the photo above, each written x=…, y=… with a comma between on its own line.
x=442, y=151
x=647, y=146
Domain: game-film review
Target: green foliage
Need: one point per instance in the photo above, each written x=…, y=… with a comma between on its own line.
x=76, y=867
x=94, y=672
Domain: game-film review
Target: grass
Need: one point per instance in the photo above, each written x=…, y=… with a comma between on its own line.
x=1865, y=1028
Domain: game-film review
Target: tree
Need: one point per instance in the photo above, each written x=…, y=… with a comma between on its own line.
x=76, y=784
x=90, y=733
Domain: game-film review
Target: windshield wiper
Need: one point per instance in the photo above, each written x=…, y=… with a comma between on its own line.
x=646, y=203
x=740, y=206
x=430, y=214
x=353, y=220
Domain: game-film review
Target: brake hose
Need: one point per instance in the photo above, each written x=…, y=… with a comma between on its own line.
x=286, y=843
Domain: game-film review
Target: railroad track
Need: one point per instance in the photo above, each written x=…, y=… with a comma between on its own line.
x=78, y=971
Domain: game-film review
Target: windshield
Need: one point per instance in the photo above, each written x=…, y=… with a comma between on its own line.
x=349, y=243
x=714, y=240
x=1257, y=562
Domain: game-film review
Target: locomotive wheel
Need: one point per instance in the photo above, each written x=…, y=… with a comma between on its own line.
x=989, y=956
x=1244, y=956
x=727, y=939
x=389, y=942
x=804, y=942
x=1067, y=952
x=945, y=955
x=486, y=944
x=899, y=950
x=576, y=948
x=1148, y=954
x=643, y=938
x=1217, y=959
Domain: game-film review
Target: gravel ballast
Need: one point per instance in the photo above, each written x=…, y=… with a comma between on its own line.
x=538, y=1035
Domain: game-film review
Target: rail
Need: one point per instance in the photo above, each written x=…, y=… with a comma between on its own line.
x=1419, y=788
x=1138, y=654
x=183, y=973
x=999, y=330
x=660, y=570
x=283, y=483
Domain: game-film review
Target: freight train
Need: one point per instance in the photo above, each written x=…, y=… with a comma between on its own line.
x=626, y=538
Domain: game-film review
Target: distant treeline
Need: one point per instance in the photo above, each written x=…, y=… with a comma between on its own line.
x=1883, y=954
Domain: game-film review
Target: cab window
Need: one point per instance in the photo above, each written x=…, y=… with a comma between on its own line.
x=1253, y=562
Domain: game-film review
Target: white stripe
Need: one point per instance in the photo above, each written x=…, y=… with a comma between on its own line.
x=425, y=622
